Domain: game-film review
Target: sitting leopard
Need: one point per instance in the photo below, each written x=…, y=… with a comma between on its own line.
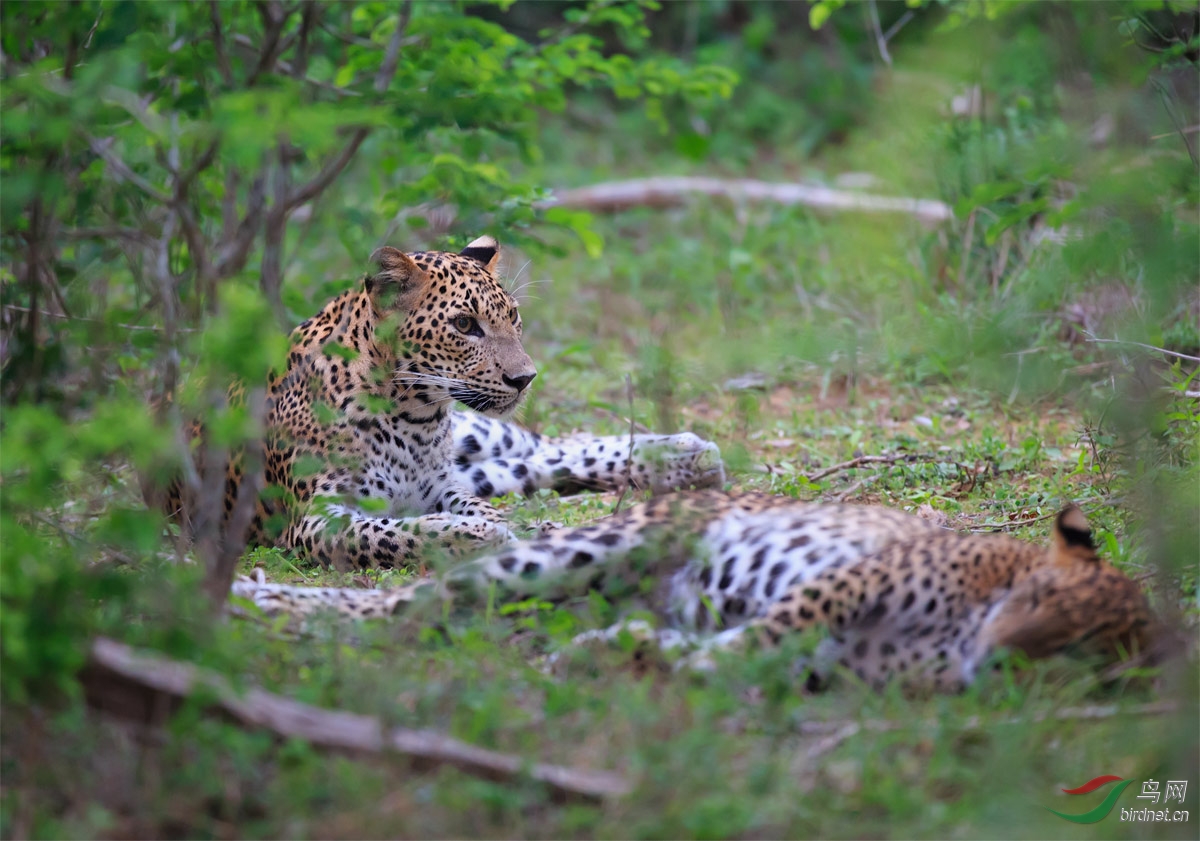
x=371, y=465
x=899, y=596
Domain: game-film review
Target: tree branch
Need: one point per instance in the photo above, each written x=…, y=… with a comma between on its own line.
x=333, y=168
x=233, y=253
x=120, y=169
x=271, y=276
x=223, y=65
x=144, y=686
x=110, y=232
x=196, y=243
x=223, y=564
x=274, y=17
x=391, y=57
x=1093, y=340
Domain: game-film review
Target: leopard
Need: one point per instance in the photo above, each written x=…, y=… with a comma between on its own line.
x=367, y=459
x=897, y=597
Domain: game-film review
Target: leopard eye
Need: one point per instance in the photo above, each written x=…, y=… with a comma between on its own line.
x=512, y=316
x=466, y=324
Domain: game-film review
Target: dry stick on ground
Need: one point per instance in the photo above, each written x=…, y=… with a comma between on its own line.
x=900, y=458
x=136, y=684
x=834, y=733
x=668, y=191
x=1093, y=340
x=992, y=528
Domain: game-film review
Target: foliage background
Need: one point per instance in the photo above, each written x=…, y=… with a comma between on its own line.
x=182, y=183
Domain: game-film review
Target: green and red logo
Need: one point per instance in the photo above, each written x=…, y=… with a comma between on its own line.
x=1100, y=812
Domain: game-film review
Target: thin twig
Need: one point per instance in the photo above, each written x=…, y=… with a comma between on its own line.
x=68, y=317
x=1093, y=712
x=850, y=491
x=110, y=232
x=966, y=253
x=233, y=252
x=1165, y=96
x=1188, y=130
x=103, y=149
x=629, y=460
x=219, y=43
x=391, y=57
x=898, y=25
x=832, y=742
x=880, y=40
x=274, y=17
x=333, y=168
x=992, y=528
x=899, y=458
x=1094, y=340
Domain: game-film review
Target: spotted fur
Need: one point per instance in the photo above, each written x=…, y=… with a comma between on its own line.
x=899, y=597
x=368, y=464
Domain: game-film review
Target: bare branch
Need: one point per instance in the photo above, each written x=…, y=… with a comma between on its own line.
x=233, y=253
x=197, y=245
x=309, y=13
x=286, y=67
x=1093, y=340
x=110, y=232
x=274, y=18
x=669, y=191
x=218, y=29
x=899, y=458
x=387, y=69
x=140, y=685
x=271, y=276
x=898, y=25
x=992, y=528
x=1166, y=97
x=62, y=316
x=229, y=219
x=228, y=551
x=880, y=40
x=333, y=168
x=206, y=503
x=1096, y=712
x=120, y=169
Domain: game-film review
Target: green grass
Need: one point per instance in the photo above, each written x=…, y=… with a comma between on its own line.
x=735, y=753
x=857, y=335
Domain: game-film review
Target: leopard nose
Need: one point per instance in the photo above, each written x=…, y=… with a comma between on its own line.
x=520, y=382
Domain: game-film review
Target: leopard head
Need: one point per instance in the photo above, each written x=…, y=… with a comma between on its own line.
x=454, y=329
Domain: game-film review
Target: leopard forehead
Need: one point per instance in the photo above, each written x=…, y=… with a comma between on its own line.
x=458, y=279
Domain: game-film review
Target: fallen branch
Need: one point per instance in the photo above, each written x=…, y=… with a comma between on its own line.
x=1093, y=340
x=123, y=681
x=836, y=732
x=668, y=191
x=1009, y=525
x=899, y=458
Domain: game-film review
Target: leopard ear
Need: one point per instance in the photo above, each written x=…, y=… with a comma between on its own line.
x=394, y=279
x=485, y=250
x=1073, y=536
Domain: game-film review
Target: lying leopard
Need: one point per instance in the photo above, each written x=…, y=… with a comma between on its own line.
x=899, y=596
x=370, y=464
